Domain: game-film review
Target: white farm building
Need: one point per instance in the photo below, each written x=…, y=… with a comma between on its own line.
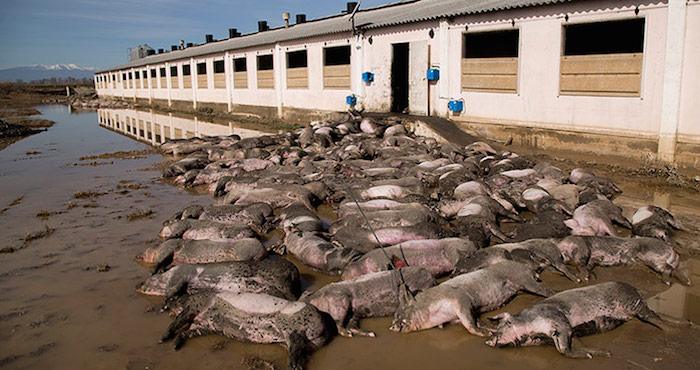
x=622, y=75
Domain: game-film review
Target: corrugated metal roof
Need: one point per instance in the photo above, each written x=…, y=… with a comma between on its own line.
x=402, y=12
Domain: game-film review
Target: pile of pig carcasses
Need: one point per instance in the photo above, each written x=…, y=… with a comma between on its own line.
x=407, y=211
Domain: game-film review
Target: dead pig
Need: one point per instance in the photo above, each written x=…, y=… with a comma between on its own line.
x=179, y=251
x=573, y=313
x=587, y=252
x=654, y=222
x=439, y=256
x=274, y=276
x=256, y=318
x=363, y=240
x=463, y=298
x=372, y=295
x=254, y=215
x=198, y=229
x=596, y=218
x=318, y=253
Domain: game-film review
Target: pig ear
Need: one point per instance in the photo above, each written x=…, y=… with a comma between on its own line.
x=405, y=296
x=500, y=316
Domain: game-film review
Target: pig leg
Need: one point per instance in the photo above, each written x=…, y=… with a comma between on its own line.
x=296, y=344
x=163, y=261
x=175, y=290
x=339, y=312
x=561, y=267
x=193, y=331
x=647, y=315
x=184, y=319
x=495, y=231
x=682, y=278
x=353, y=327
x=607, y=227
x=563, y=339
x=468, y=320
x=531, y=285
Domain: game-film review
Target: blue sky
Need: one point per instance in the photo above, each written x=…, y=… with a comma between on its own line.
x=97, y=33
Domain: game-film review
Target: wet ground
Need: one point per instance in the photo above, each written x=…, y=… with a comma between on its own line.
x=68, y=298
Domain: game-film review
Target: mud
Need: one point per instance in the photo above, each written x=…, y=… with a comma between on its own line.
x=58, y=311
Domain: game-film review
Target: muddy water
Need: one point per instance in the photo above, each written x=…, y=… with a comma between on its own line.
x=59, y=311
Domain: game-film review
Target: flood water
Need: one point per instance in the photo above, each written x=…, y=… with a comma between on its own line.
x=60, y=310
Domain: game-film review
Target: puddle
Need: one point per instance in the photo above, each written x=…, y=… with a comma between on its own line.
x=58, y=311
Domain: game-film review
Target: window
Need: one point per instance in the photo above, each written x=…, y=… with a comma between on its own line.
x=603, y=58
x=219, y=66
x=219, y=75
x=266, y=77
x=336, y=67
x=490, y=61
x=335, y=56
x=240, y=74
x=297, y=71
x=201, y=75
x=173, y=78
x=240, y=65
x=186, y=81
x=153, y=73
x=137, y=75
x=163, y=81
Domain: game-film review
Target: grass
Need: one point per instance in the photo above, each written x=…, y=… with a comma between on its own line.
x=139, y=214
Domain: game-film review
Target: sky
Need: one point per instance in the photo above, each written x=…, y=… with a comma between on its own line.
x=97, y=33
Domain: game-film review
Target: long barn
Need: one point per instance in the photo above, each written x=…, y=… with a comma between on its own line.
x=611, y=77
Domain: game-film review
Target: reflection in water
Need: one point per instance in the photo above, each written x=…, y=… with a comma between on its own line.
x=156, y=128
x=679, y=301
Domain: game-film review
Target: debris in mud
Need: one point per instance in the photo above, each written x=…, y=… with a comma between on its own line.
x=92, y=164
x=12, y=130
x=132, y=186
x=44, y=213
x=218, y=346
x=37, y=235
x=42, y=349
x=131, y=154
x=9, y=249
x=103, y=268
x=86, y=194
x=32, y=153
x=16, y=201
x=108, y=348
x=256, y=363
x=71, y=205
x=139, y=214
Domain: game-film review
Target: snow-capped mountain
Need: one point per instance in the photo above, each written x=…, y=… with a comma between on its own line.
x=37, y=72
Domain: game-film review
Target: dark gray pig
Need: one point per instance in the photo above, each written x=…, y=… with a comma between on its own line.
x=198, y=229
x=256, y=318
x=587, y=252
x=254, y=215
x=179, y=251
x=654, y=222
x=439, y=256
x=573, y=313
x=372, y=295
x=318, y=253
x=464, y=297
x=274, y=276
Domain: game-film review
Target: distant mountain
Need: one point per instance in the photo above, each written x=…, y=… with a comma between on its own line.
x=39, y=72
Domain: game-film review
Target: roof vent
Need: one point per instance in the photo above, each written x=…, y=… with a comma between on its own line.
x=161, y=51
x=285, y=17
x=173, y=47
x=189, y=44
x=209, y=38
x=301, y=18
x=351, y=6
x=233, y=32
x=262, y=26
